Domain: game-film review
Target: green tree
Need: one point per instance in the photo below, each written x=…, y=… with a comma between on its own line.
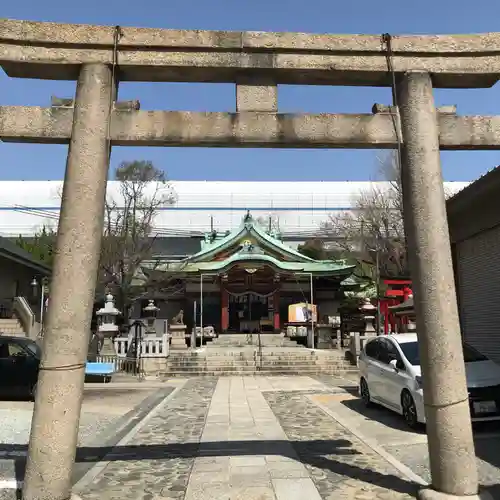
x=314, y=249
x=41, y=246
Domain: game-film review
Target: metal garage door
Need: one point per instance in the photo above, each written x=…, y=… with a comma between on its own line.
x=478, y=272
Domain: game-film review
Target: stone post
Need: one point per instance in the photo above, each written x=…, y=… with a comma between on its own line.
x=54, y=428
x=451, y=446
x=256, y=95
x=224, y=322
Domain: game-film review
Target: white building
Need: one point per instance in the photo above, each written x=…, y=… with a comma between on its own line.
x=297, y=208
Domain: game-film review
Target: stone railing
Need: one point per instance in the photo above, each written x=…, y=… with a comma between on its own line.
x=356, y=344
x=155, y=347
x=26, y=316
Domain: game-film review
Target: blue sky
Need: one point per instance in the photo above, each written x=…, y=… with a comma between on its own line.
x=21, y=161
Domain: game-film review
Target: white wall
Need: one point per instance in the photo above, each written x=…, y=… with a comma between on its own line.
x=25, y=206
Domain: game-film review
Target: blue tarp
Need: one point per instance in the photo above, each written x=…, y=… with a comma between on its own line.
x=94, y=368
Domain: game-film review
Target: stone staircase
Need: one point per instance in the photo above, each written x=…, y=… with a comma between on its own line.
x=240, y=340
x=252, y=361
x=12, y=327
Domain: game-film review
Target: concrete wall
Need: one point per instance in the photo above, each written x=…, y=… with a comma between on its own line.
x=474, y=223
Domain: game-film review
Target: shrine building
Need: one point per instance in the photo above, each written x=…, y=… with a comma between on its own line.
x=246, y=279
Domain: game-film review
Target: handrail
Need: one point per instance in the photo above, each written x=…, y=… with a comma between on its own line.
x=25, y=314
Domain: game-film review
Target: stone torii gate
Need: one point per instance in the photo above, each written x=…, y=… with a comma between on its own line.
x=256, y=62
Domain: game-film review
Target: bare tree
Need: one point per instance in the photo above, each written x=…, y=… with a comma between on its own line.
x=374, y=226
x=129, y=234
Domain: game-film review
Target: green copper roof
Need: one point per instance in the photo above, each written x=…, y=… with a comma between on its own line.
x=315, y=267
x=254, y=255
x=248, y=228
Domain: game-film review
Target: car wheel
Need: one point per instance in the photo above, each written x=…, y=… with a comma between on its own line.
x=409, y=409
x=364, y=392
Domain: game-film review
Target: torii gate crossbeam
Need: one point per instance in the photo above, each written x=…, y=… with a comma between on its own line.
x=98, y=57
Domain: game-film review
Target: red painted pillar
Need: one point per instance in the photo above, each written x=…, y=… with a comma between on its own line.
x=224, y=322
x=276, y=312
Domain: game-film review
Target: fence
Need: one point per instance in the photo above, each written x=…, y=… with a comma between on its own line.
x=154, y=347
x=131, y=366
x=125, y=359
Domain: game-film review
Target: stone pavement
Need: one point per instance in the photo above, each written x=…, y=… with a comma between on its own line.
x=109, y=412
x=252, y=438
x=389, y=431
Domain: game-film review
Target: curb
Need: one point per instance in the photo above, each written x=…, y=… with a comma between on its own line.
x=403, y=469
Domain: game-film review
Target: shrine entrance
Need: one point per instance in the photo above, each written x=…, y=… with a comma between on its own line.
x=250, y=313
x=257, y=63
x=251, y=295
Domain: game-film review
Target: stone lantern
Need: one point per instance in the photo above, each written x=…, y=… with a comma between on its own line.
x=368, y=311
x=150, y=313
x=107, y=327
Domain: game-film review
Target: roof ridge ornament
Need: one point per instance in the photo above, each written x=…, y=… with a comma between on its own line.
x=248, y=217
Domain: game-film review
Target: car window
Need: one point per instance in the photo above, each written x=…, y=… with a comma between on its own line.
x=384, y=355
x=372, y=349
x=10, y=349
x=34, y=349
x=410, y=350
x=391, y=349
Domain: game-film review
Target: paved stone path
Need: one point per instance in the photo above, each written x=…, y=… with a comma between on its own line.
x=252, y=438
x=390, y=432
x=109, y=411
x=158, y=462
x=340, y=465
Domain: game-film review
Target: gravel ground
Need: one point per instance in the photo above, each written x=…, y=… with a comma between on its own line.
x=15, y=426
x=107, y=415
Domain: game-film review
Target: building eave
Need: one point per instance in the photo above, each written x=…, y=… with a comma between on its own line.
x=484, y=186
x=316, y=268
x=13, y=253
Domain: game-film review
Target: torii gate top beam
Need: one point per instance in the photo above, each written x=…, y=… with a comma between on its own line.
x=56, y=51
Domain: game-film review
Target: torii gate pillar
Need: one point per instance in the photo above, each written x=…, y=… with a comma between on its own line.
x=54, y=429
x=451, y=446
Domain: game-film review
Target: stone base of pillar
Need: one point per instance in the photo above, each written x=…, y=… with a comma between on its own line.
x=178, y=336
x=430, y=494
x=310, y=338
x=108, y=348
x=324, y=336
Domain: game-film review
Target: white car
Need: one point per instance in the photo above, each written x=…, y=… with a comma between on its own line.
x=390, y=375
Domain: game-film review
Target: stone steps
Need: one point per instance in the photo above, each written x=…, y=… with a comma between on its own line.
x=256, y=373
x=241, y=341
x=249, y=361
x=187, y=364
x=266, y=358
x=233, y=354
x=12, y=327
x=250, y=368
